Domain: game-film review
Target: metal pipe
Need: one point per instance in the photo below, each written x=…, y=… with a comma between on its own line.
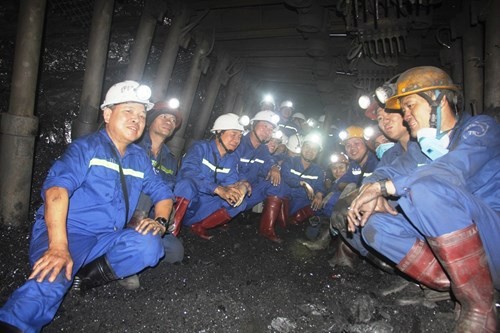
x=19, y=126
x=473, y=70
x=169, y=54
x=198, y=63
x=143, y=40
x=94, y=69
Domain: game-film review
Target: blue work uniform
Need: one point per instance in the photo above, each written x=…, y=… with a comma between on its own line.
x=253, y=166
x=391, y=154
x=354, y=174
x=293, y=172
x=165, y=165
x=446, y=195
x=288, y=128
x=202, y=171
x=89, y=171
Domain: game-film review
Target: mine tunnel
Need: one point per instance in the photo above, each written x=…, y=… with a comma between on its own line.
x=324, y=60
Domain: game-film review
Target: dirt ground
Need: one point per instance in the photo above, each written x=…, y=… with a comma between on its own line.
x=238, y=282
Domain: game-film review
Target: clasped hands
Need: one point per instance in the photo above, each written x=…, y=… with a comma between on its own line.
x=368, y=201
x=234, y=194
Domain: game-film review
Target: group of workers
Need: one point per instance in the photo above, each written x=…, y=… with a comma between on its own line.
x=116, y=200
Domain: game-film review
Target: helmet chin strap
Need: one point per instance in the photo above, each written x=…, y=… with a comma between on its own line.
x=262, y=142
x=228, y=151
x=435, y=116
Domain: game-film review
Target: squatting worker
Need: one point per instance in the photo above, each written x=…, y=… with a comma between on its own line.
x=89, y=194
x=449, y=235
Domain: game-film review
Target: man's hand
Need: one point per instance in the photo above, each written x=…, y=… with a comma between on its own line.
x=317, y=201
x=52, y=262
x=230, y=194
x=368, y=201
x=245, y=189
x=149, y=225
x=274, y=175
x=308, y=188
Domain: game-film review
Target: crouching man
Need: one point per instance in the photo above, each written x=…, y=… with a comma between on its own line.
x=449, y=235
x=208, y=190
x=89, y=195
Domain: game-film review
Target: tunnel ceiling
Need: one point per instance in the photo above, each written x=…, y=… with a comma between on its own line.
x=325, y=52
x=315, y=52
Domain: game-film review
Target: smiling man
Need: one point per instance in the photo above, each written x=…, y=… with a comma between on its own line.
x=89, y=195
x=449, y=235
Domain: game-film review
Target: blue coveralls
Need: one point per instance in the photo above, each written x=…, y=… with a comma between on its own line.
x=89, y=171
x=288, y=128
x=355, y=174
x=446, y=195
x=293, y=172
x=166, y=166
x=202, y=170
x=398, y=155
x=253, y=166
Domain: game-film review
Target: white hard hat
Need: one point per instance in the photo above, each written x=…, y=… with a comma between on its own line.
x=299, y=115
x=128, y=91
x=267, y=100
x=266, y=115
x=286, y=104
x=314, y=138
x=277, y=134
x=228, y=121
x=294, y=143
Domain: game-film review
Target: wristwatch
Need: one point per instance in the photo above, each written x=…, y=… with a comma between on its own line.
x=383, y=188
x=163, y=221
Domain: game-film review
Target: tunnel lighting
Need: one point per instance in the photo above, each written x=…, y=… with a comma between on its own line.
x=368, y=132
x=173, y=103
x=384, y=92
x=364, y=101
x=244, y=120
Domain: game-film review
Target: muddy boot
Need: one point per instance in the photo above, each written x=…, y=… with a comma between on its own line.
x=396, y=286
x=180, y=207
x=219, y=217
x=421, y=265
x=338, y=222
x=94, y=274
x=462, y=255
x=283, y=215
x=8, y=328
x=272, y=207
x=379, y=263
x=301, y=215
x=131, y=282
x=321, y=243
x=343, y=255
x=420, y=294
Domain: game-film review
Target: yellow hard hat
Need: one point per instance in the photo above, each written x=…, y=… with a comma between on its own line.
x=419, y=79
x=352, y=132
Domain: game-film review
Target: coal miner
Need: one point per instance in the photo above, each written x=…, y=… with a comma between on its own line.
x=449, y=234
x=208, y=191
x=79, y=236
x=161, y=123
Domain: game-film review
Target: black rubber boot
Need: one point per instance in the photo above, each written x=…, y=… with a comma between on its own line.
x=8, y=328
x=94, y=274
